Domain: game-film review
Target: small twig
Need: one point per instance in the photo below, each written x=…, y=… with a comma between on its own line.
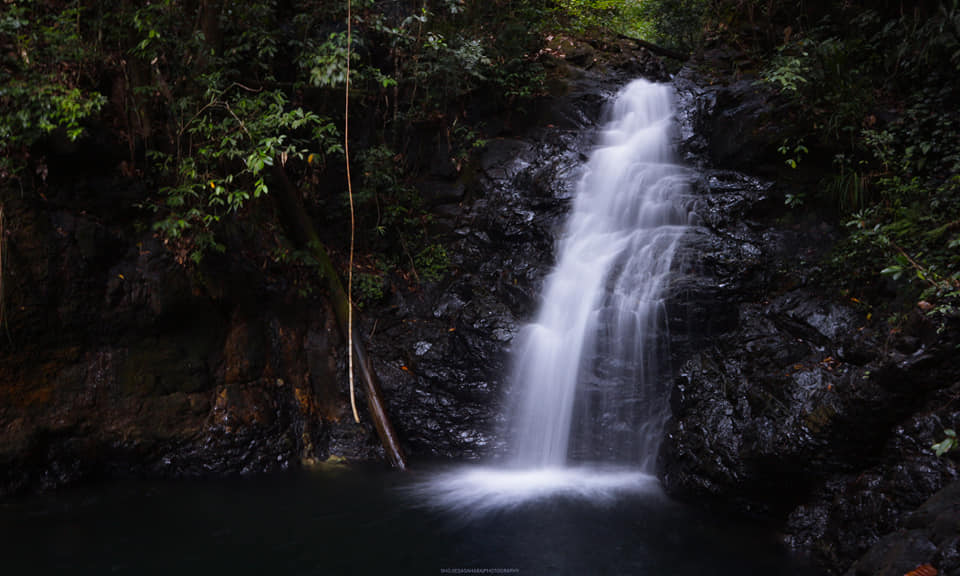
x=239, y=85
x=413, y=266
x=952, y=226
x=187, y=124
x=914, y=263
x=217, y=101
x=235, y=117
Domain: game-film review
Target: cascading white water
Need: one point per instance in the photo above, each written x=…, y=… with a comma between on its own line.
x=595, y=339
x=586, y=370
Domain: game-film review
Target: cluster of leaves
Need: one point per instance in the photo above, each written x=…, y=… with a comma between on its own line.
x=626, y=17
x=680, y=24
x=45, y=82
x=228, y=116
x=677, y=24
x=229, y=143
x=427, y=67
x=418, y=67
x=212, y=98
x=850, y=78
x=880, y=92
x=913, y=243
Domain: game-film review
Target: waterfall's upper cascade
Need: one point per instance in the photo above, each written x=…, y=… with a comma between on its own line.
x=587, y=368
x=588, y=372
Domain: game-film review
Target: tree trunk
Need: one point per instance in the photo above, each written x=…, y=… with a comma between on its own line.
x=305, y=234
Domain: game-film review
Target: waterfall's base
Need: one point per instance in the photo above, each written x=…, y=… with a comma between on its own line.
x=479, y=490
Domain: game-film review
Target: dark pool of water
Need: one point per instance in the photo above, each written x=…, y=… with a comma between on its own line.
x=364, y=522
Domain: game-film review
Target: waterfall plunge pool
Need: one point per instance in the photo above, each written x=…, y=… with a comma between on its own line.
x=600, y=320
x=371, y=521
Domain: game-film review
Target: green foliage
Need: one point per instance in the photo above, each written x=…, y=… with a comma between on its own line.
x=793, y=152
x=223, y=151
x=465, y=140
x=43, y=84
x=517, y=82
x=790, y=69
x=301, y=267
x=913, y=246
x=210, y=98
x=326, y=64
x=381, y=171
x=418, y=71
x=432, y=263
x=327, y=61
x=947, y=444
x=43, y=110
x=392, y=219
x=677, y=24
x=850, y=184
x=822, y=77
x=622, y=16
x=880, y=94
x=794, y=199
x=367, y=288
x=841, y=76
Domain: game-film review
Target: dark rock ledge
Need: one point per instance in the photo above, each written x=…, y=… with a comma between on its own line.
x=789, y=403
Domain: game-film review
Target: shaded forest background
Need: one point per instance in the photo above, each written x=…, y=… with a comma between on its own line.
x=209, y=106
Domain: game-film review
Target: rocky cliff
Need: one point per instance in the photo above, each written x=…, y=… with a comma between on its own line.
x=790, y=401
x=120, y=361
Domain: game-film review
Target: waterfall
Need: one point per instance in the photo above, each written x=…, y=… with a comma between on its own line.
x=596, y=343
x=588, y=372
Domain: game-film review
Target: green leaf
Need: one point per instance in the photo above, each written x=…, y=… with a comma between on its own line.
x=259, y=188
x=894, y=271
x=941, y=448
x=255, y=163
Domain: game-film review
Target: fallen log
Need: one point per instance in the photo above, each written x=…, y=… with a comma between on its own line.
x=658, y=50
x=305, y=234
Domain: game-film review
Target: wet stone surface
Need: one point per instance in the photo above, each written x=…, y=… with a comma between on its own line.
x=788, y=403
x=443, y=352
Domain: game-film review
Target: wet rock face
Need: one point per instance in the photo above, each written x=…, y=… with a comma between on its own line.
x=787, y=402
x=928, y=535
x=169, y=404
x=443, y=353
x=118, y=362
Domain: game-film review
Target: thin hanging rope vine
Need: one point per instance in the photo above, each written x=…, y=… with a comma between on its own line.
x=2, y=246
x=346, y=152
